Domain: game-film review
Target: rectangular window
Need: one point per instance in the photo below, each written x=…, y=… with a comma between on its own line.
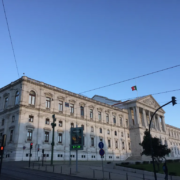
x=59, y=138
x=60, y=124
x=13, y=118
x=29, y=135
x=109, y=143
x=129, y=146
x=91, y=113
x=46, y=136
x=11, y=135
x=116, y=144
x=72, y=108
x=99, y=116
x=31, y=118
x=107, y=118
x=122, y=145
x=82, y=111
x=2, y=123
x=92, y=141
x=121, y=134
x=128, y=135
x=126, y=123
x=60, y=106
x=5, y=102
x=47, y=121
x=48, y=102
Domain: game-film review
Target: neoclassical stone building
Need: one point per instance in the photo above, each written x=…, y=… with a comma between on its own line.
x=27, y=106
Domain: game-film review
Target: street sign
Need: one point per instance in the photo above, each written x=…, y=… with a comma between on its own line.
x=101, y=145
x=76, y=142
x=101, y=152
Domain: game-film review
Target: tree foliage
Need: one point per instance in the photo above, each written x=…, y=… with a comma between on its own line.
x=159, y=150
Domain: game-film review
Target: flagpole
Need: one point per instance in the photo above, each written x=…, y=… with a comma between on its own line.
x=136, y=88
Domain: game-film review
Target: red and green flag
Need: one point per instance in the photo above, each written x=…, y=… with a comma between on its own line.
x=134, y=88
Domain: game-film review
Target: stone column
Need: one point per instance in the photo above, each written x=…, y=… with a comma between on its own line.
x=150, y=117
x=159, y=123
x=144, y=118
x=130, y=117
x=163, y=124
x=135, y=117
x=155, y=125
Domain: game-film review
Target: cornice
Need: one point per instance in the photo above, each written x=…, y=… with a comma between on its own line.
x=44, y=85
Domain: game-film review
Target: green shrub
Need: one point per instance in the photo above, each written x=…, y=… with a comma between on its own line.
x=137, y=162
x=108, y=162
x=125, y=163
x=145, y=162
x=173, y=174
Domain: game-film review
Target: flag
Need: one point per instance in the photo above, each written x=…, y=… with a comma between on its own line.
x=134, y=88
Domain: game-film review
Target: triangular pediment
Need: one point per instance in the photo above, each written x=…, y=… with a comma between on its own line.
x=151, y=102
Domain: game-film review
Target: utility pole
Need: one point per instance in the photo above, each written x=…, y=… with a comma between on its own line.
x=53, y=124
x=173, y=101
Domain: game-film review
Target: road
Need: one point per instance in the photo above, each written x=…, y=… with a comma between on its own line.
x=17, y=171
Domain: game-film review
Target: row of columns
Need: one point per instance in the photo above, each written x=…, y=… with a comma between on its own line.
x=144, y=121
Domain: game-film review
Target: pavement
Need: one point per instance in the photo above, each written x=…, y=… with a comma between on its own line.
x=65, y=171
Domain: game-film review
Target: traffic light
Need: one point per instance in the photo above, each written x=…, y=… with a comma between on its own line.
x=1, y=150
x=31, y=145
x=174, y=101
x=43, y=151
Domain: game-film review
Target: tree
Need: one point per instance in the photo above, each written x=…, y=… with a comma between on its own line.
x=159, y=150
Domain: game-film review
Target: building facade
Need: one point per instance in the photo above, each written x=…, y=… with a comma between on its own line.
x=27, y=106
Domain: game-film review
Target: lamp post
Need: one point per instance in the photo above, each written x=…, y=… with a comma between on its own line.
x=152, y=151
x=53, y=124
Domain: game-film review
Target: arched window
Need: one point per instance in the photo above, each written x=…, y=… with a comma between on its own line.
x=13, y=118
x=92, y=129
x=108, y=132
x=100, y=130
x=115, y=133
x=72, y=125
x=107, y=118
x=17, y=98
x=121, y=121
x=82, y=111
x=114, y=119
x=82, y=126
x=32, y=98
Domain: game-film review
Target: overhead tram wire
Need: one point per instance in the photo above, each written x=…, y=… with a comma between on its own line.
x=131, y=79
x=10, y=37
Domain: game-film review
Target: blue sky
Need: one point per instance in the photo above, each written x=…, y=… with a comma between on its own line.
x=79, y=45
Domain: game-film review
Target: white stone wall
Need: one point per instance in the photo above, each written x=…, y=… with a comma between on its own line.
x=139, y=112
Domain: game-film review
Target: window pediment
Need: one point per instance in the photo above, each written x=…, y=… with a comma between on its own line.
x=48, y=94
x=114, y=113
x=6, y=94
x=107, y=111
x=91, y=107
x=47, y=129
x=29, y=126
x=99, y=109
x=82, y=104
x=72, y=101
x=11, y=127
x=61, y=98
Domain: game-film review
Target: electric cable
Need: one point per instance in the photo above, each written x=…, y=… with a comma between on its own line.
x=10, y=38
x=131, y=79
